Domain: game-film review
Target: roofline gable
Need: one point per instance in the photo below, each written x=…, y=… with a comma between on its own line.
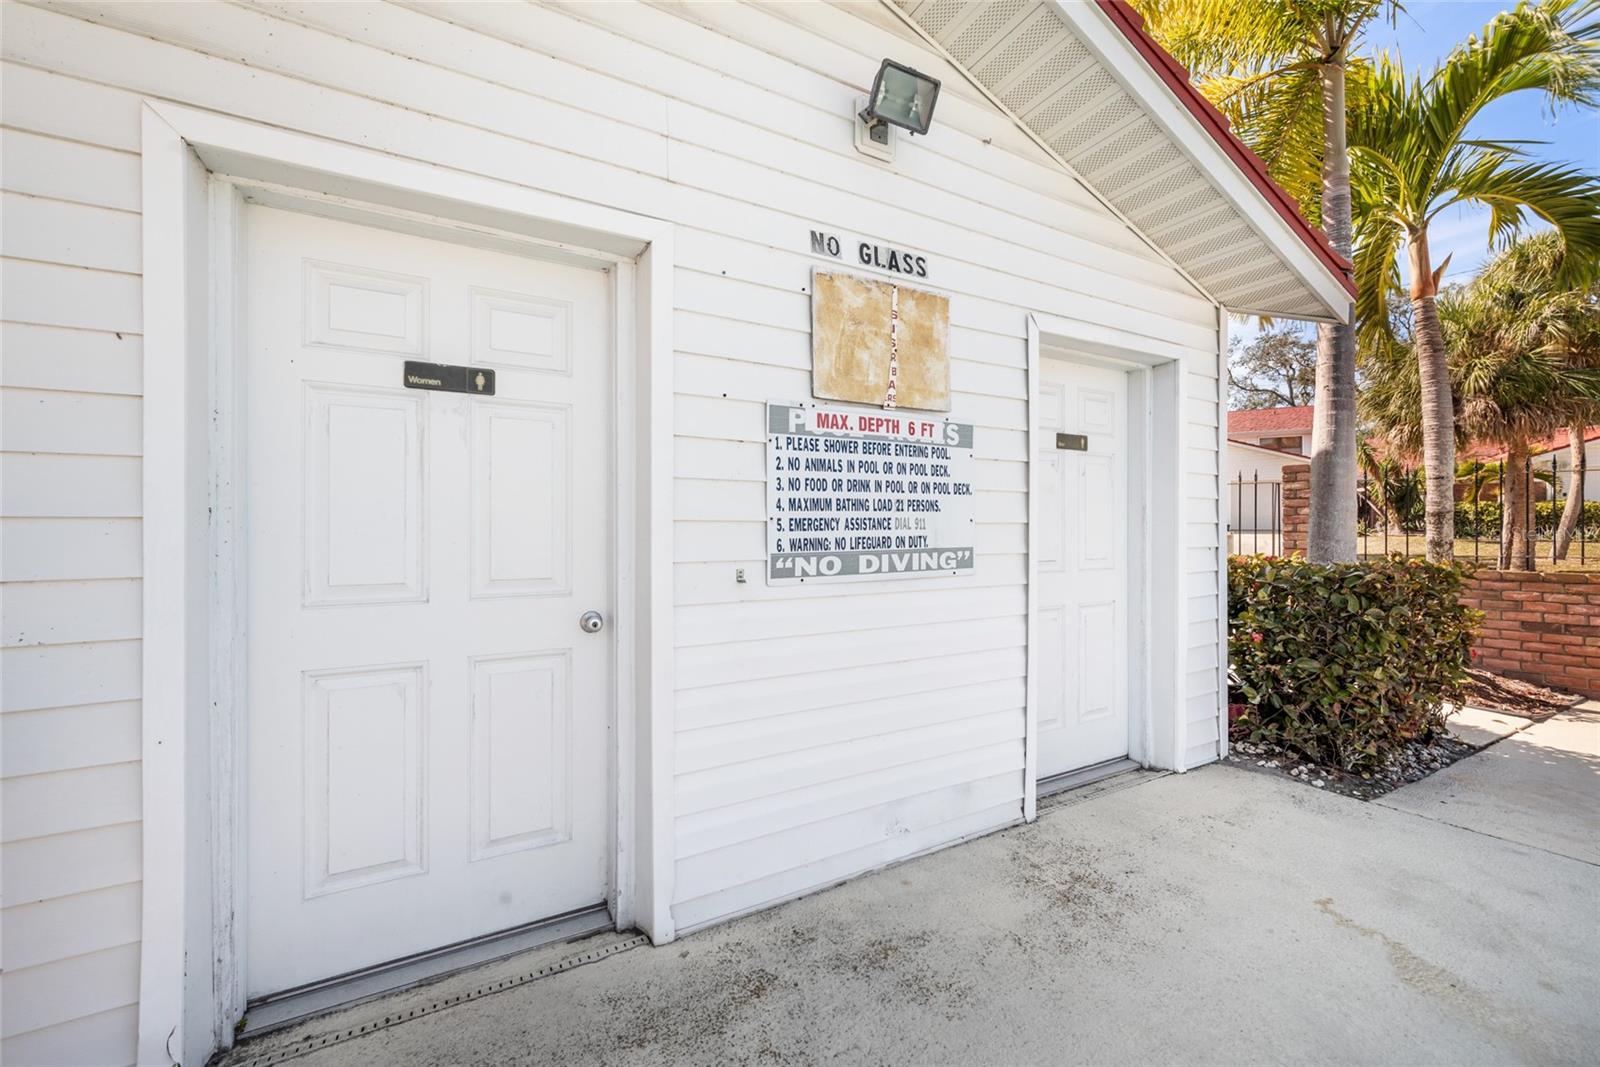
x=1114, y=30
x=1123, y=16
x=1204, y=205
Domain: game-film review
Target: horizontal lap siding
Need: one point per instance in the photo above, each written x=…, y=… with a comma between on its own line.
x=70, y=438
x=816, y=727
x=823, y=730
x=1201, y=482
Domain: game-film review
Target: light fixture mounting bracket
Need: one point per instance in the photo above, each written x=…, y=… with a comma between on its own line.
x=874, y=137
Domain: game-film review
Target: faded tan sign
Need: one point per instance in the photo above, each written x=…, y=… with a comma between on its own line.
x=875, y=342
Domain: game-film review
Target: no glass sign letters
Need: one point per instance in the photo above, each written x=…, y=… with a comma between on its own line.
x=855, y=494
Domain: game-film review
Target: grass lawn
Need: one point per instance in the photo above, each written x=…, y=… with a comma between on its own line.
x=1581, y=557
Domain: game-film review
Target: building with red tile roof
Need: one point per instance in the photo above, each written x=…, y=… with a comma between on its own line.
x=1286, y=429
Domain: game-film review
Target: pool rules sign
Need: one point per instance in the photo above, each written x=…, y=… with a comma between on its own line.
x=856, y=494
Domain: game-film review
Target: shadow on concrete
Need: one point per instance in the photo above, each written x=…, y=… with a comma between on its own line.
x=1215, y=917
x=1538, y=787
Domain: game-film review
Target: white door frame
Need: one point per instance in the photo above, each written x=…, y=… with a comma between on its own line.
x=194, y=165
x=1155, y=488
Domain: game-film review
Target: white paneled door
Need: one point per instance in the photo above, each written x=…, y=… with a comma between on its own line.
x=1083, y=566
x=427, y=724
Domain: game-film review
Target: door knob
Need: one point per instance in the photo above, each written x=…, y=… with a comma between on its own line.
x=591, y=622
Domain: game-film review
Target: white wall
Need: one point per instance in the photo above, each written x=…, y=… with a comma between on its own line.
x=1257, y=438
x=860, y=738
x=1253, y=492
x=1563, y=459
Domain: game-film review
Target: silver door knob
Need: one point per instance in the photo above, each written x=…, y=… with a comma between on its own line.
x=591, y=622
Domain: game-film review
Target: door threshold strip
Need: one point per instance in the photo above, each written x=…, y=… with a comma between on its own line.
x=1060, y=783
x=433, y=1007
x=342, y=991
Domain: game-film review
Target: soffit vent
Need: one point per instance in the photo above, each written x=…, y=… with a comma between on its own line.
x=992, y=20
x=1033, y=36
x=1050, y=70
x=1072, y=138
x=1253, y=252
x=1025, y=54
x=935, y=15
x=1164, y=154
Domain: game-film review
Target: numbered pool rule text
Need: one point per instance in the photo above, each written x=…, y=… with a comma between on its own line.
x=859, y=493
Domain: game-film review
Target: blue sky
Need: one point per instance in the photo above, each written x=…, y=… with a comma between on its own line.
x=1424, y=33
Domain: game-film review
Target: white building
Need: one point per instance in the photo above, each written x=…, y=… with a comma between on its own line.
x=1554, y=453
x=1552, y=460
x=1285, y=429
x=1254, y=479
x=294, y=682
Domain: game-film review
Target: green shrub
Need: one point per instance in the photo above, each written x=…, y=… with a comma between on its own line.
x=1345, y=663
x=1483, y=519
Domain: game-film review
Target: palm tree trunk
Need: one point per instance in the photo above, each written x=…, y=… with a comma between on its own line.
x=1331, y=535
x=1573, y=509
x=1438, y=411
x=1514, y=505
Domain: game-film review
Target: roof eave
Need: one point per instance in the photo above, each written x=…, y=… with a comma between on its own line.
x=1267, y=448
x=1115, y=33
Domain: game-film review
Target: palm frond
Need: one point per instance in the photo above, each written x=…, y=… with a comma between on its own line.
x=1413, y=153
x=1379, y=238
x=1524, y=354
x=1548, y=47
x=1281, y=119
x=1259, y=61
x=1227, y=37
x=1563, y=196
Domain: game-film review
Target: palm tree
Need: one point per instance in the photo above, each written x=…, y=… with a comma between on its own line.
x=1510, y=368
x=1278, y=69
x=1572, y=510
x=1544, y=312
x=1508, y=392
x=1392, y=486
x=1413, y=155
x=1478, y=476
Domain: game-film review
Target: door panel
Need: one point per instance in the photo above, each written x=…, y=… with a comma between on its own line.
x=364, y=309
x=521, y=526
x=427, y=727
x=520, y=331
x=1082, y=715
x=521, y=752
x=364, y=777
x=363, y=497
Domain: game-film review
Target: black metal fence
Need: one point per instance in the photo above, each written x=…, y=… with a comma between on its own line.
x=1255, y=515
x=1390, y=515
x=1390, y=510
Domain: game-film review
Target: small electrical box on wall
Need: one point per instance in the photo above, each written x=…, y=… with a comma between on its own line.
x=875, y=139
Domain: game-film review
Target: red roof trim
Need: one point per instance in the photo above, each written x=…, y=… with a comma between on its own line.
x=1131, y=24
x=1490, y=451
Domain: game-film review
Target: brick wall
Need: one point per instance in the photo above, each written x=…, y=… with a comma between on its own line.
x=1541, y=626
x=1296, y=507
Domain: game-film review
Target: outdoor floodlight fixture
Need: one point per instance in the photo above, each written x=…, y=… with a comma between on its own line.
x=901, y=97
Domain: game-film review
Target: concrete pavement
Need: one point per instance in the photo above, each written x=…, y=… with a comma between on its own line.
x=1539, y=786
x=1217, y=917
x=1480, y=726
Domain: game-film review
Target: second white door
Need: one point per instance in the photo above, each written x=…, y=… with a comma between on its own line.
x=428, y=726
x=1082, y=568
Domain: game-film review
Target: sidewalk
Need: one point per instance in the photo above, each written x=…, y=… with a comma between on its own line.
x=1217, y=917
x=1539, y=785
